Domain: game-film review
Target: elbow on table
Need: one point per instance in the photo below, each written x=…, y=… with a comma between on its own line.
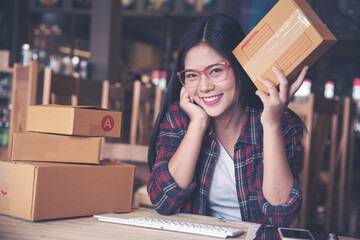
x=163, y=208
x=165, y=212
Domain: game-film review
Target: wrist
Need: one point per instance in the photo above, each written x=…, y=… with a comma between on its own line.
x=199, y=125
x=272, y=127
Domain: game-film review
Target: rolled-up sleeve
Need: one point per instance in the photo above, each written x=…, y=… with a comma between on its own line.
x=285, y=214
x=166, y=196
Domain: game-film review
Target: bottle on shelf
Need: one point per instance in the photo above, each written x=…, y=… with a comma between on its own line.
x=162, y=81
x=4, y=134
x=356, y=89
x=155, y=77
x=26, y=54
x=67, y=66
x=356, y=97
x=329, y=89
x=84, y=68
x=304, y=91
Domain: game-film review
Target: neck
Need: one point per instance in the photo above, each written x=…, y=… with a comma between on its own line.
x=229, y=123
x=227, y=130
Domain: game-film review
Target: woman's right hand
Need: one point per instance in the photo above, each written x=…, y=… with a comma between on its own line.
x=194, y=111
x=182, y=164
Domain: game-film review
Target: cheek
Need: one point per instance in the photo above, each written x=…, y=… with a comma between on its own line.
x=231, y=89
x=230, y=86
x=192, y=92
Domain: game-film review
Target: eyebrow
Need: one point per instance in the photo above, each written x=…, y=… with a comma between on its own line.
x=206, y=66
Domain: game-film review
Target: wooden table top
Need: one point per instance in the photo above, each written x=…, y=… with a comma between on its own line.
x=91, y=228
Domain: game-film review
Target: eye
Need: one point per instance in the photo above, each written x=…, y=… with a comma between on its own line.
x=190, y=75
x=216, y=70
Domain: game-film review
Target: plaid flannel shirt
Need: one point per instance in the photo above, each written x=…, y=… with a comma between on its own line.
x=168, y=198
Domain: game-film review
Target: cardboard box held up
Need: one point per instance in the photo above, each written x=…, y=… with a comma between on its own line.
x=289, y=37
x=39, y=190
x=29, y=146
x=73, y=120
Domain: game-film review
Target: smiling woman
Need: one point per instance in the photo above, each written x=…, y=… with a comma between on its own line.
x=219, y=147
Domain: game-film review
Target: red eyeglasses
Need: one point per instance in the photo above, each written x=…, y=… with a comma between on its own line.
x=215, y=73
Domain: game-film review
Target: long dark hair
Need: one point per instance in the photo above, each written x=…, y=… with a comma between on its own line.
x=223, y=34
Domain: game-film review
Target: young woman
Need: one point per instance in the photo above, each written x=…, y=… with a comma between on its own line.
x=218, y=150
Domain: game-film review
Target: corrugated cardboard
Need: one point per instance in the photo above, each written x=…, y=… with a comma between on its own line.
x=289, y=37
x=70, y=120
x=39, y=190
x=28, y=146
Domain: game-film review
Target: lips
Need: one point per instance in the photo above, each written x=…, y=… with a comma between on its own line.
x=212, y=100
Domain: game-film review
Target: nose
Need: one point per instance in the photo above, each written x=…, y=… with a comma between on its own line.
x=205, y=84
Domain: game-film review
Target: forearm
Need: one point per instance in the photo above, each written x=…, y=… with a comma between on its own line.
x=277, y=179
x=182, y=165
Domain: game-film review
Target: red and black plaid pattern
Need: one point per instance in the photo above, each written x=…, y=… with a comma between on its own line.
x=168, y=198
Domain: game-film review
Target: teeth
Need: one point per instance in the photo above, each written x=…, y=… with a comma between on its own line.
x=210, y=99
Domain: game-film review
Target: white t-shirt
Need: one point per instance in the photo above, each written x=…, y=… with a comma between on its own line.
x=223, y=201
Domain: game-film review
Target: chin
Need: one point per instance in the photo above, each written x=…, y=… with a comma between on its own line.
x=213, y=114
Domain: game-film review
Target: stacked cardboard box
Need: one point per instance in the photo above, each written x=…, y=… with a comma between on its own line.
x=56, y=171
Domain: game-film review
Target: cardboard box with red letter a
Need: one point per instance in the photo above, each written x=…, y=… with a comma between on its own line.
x=73, y=120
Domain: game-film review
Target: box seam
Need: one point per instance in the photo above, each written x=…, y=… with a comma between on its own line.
x=33, y=200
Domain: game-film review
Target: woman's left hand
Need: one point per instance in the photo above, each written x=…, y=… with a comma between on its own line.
x=276, y=101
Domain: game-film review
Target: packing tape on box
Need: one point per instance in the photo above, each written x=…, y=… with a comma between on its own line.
x=279, y=42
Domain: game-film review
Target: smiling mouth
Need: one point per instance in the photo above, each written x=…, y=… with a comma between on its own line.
x=211, y=100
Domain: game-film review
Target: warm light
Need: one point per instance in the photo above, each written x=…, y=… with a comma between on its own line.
x=76, y=52
x=82, y=53
x=65, y=50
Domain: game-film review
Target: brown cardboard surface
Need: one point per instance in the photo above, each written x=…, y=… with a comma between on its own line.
x=41, y=190
x=289, y=37
x=73, y=120
x=16, y=192
x=28, y=146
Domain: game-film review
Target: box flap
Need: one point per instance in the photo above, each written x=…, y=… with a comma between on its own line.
x=75, y=107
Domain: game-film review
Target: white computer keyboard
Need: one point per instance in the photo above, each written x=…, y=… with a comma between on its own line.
x=177, y=226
